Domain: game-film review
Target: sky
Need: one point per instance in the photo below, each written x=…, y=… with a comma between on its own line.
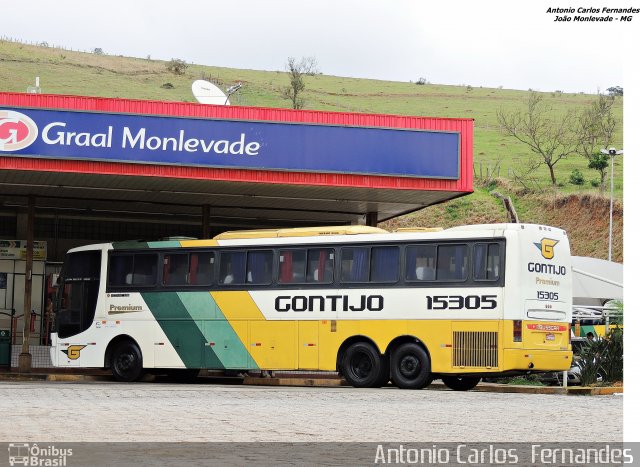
x=488, y=43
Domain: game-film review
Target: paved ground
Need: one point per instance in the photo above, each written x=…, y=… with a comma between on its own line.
x=105, y=411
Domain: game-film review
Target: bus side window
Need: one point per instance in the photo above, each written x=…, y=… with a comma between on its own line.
x=486, y=261
x=320, y=265
x=385, y=262
x=452, y=263
x=145, y=269
x=121, y=270
x=175, y=267
x=355, y=265
x=420, y=263
x=201, y=268
x=292, y=266
x=259, y=267
x=133, y=269
x=232, y=267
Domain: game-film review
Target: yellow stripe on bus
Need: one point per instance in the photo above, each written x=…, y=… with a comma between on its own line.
x=198, y=243
x=237, y=305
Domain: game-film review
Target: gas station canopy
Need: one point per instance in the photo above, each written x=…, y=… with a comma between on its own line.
x=169, y=163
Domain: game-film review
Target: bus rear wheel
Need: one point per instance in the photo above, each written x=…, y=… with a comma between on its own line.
x=460, y=383
x=364, y=367
x=126, y=362
x=410, y=367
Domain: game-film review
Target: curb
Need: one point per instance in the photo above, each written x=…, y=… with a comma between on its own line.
x=320, y=382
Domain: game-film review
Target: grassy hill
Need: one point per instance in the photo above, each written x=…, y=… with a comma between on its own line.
x=496, y=156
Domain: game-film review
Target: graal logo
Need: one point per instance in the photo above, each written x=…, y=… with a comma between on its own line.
x=26, y=454
x=17, y=131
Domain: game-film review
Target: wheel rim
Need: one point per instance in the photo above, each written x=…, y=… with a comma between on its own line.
x=361, y=365
x=125, y=361
x=410, y=366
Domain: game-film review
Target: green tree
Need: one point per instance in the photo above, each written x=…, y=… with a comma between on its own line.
x=297, y=69
x=600, y=162
x=595, y=126
x=615, y=91
x=177, y=66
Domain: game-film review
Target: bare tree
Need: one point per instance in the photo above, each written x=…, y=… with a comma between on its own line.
x=550, y=137
x=595, y=127
x=297, y=69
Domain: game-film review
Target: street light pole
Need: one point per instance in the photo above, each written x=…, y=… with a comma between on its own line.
x=612, y=153
x=611, y=211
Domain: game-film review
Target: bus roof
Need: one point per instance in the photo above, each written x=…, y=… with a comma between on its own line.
x=331, y=234
x=300, y=232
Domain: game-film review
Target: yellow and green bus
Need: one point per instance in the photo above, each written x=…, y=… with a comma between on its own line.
x=407, y=307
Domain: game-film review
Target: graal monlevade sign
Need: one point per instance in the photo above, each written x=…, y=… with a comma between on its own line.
x=229, y=143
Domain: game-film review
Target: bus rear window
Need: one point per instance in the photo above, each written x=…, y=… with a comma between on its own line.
x=486, y=261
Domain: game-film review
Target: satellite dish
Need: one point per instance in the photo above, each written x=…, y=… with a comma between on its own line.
x=207, y=93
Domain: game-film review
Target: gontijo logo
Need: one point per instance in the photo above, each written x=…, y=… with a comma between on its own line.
x=546, y=247
x=17, y=131
x=73, y=351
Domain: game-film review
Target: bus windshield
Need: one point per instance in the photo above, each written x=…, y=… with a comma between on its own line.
x=78, y=292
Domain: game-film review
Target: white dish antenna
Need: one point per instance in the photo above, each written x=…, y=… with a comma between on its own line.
x=207, y=93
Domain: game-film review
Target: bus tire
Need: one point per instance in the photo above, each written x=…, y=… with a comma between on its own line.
x=410, y=367
x=460, y=383
x=384, y=377
x=126, y=362
x=363, y=366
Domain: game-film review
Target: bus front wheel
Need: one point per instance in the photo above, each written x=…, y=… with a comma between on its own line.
x=410, y=367
x=126, y=362
x=460, y=383
x=364, y=367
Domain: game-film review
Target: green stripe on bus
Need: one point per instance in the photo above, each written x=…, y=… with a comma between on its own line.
x=182, y=331
x=139, y=244
x=130, y=245
x=219, y=334
x=165, y=244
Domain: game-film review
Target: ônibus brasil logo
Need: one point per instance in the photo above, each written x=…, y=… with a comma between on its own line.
x=17, y=131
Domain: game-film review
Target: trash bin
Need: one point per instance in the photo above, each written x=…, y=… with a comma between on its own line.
x=5, y=347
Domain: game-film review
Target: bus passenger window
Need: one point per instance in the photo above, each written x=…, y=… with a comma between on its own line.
x=201, y=268
x=132, y=270
x=259, y=266
x=486, y=261
x=232, y=267
x=355, y=265
x=293, y=264
x=421, y=263
x=175, y=268
x=145, y=269
x=452, y=263
x=320, y=265
x=121, y=270
x=385, y=262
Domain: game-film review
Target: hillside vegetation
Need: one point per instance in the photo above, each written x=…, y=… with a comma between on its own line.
x=582, y=210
